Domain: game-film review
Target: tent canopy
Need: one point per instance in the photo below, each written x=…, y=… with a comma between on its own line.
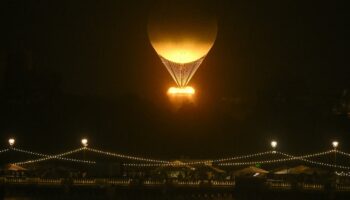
x=300, y=169
x=12, y=167
x=250, y=171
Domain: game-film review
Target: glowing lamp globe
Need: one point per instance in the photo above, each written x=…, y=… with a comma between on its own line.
x=182, y=33
x=335, y=144
x=274, y=144
x=12, y=141
x=84, y=142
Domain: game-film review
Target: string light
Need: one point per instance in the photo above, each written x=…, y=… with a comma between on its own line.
x=342, y=153
x=126, y=156
x=41, y=155
x=223, y=183
x=205, y=162
x=49, y=157
x=202, y=162
x=302, y=158
x=242, y=157
x=156, y=163
x=59, y=181
x=119, y=182
x=309, y=186
x=289, y=158
x=347, y=174
x=188, y=182
x=29, y=152
x=219, y=161
x=152, y=182
x=3, y=150
x=46, y=155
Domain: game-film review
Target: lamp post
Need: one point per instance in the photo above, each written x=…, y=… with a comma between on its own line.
x=335, y=145
x=11, y=142
x=85, y=143
x=274, y=145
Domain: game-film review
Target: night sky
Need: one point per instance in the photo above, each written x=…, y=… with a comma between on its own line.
x=278, y=70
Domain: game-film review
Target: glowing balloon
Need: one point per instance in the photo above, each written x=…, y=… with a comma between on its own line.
x=182, y=35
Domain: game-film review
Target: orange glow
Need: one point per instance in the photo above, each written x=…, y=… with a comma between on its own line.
x=179, y=96
x=182, y=36
x=182, y=51
x=185, y=91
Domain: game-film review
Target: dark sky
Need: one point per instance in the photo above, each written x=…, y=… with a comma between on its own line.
x=278, y=69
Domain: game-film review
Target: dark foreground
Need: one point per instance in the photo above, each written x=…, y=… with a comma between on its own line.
x=155, y=195
x=111, y=192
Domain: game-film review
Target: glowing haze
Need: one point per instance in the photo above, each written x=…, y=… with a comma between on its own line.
x=180, y=95
x=181, y=91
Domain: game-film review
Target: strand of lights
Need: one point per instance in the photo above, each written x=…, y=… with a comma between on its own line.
x=126, y=156
x=30, y=152
x=238, y=163
x=202, y=162
x=219, y=161
x=147, y=164
x=58, y=156
x=302, y=158
x=243, y=157
x=46, y=155
x=225, y=159
x=290, y=158
x=342, y=153
x=347, y=174
x=308, y=155
x=3, y=150
x=155, y=163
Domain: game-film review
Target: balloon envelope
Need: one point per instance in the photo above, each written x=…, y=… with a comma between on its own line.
x=182, y=34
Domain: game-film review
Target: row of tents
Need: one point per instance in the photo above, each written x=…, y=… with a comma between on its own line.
x=175, y=170
x=253, y=171
x=300, y=169
x=12, y=167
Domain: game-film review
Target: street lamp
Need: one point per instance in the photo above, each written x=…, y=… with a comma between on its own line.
x=335, y=144
x=12, y=142
x=84, y=142
x=273, y=144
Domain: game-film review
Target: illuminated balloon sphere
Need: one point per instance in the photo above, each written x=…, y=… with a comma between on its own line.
x=182, y=33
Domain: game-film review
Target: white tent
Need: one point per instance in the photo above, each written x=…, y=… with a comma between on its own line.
x=301, y=169
x=12, y=167
x=254, y=171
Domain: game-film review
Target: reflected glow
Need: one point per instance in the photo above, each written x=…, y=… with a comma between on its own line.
x=179, y=96
x=181, y=91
